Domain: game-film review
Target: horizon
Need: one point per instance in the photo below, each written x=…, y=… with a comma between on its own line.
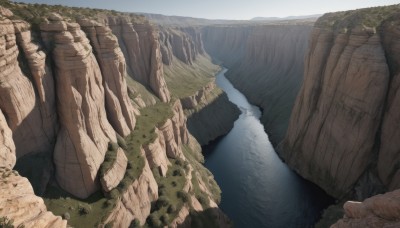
x=235, y=9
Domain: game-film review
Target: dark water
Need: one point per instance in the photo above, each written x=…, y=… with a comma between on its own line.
x=258, y=189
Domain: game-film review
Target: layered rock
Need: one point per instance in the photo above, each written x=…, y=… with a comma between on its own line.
x=183, y=43
x=141, y=47
x=200, y=97
x=120, y=111
x=117, y=171
x=336, y=134
x=135, y=203
x=19, y=203
x=377, y=211
x=265, y=63
x=85, y=130
x=7, y=146
x=212, y=117
x=31, y=120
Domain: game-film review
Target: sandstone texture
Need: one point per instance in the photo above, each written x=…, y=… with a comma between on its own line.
x=141, y=48
x=7, y=146
x=377, y=211
x=19, y=203
x=31, y=123
x=120, y=111
x=344, y=120
x=265, y=63
x=183, y=43
x=136, y=201
x=85, y=131
x=115, y=174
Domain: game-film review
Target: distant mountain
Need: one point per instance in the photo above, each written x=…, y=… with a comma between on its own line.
x=314, y=16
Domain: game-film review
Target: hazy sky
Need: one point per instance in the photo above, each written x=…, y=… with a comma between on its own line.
x=224, y=9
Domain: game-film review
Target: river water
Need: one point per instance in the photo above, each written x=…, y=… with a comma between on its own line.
x=258, y=189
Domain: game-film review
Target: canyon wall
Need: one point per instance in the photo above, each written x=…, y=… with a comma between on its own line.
x=68, y=106
x=210, y=113
x=343, y=126
x=265, y=63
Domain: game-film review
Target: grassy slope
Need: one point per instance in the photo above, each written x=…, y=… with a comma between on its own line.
x=185, y=80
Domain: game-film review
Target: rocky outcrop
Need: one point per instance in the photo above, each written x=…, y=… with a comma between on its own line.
x=171, y=135
x=19, y=203
x=120, y=111
x=265, y=63
x=135, y=203
x=85, y=130
x=200, y=97
x=183, y=43
x=140, y=45
x=377, y=211
x=7, y=146
x=213, y=117
x=30, y=120
x=339, y=125
x=115, y=174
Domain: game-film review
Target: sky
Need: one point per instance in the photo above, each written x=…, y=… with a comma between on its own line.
x=224, y=9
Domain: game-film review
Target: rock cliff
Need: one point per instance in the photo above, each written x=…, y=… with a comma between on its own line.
x=71, y=87
x=377, y=211
x=343, y=125
x=265, y=63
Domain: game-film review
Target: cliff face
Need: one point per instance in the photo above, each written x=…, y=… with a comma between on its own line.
x=265, y=63
x=190, y=75
x=65, y=102
x=377, y=211
x=342, y=126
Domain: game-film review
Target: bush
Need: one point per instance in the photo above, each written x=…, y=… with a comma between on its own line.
x=203, y=200
x=179, y=162
x=121, y=142
x=154, y=221
x=184, y=196
x=6, y=223
x=112, y=146
x=163, y=201
x=165, y=218
x=114, y=194
x=174, y=184
x=171, y=209
x=178, y=172
x=135, y=223
x=84, y=209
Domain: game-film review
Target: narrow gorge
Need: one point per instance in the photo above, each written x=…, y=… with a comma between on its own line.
x=113, y=119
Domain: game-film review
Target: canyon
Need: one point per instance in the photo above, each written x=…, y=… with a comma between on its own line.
x=103, y=114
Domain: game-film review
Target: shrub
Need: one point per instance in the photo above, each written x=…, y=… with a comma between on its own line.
x=135, y=223
x=179, y=162
x=165, y=218
x=112, y=146
x=178, y=172
x=203, y=200
x=121, y=142
x=171, y=209
x=6, y=223
x=163, y=201
x=84, y=209
x=154, y=221
x=174, y=184
x=183, y=195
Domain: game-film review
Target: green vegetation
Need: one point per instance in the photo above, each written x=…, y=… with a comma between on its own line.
x=83, y=213
x=183, y=80
x=6, y=223
x=171, y=195
x=109, y=159
x=362, y=18
x=35, y=13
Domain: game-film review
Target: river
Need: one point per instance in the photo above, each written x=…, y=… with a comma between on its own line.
x=258, y=189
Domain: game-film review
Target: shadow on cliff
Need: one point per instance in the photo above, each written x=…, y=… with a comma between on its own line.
x=210, y=218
